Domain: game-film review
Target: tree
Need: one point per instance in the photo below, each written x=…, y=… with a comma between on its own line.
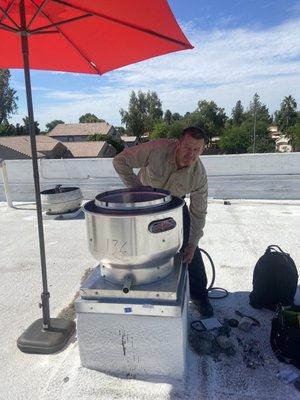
x=144, y=110
x=51, y=125
x=239, y=139
x=160, y=130
x=37, y=130
x=21, y=130
x=175, y=129
x=88, y=117
x=208, y=116
x=263, y=143
x=176, y=116
x=235, y=139
x=237, y=113
x=7, y=130
x=168, y=117
x=153, y=110
x=287, y=115
x=258, y=110
x=121, y=130
x=293, y=133
x=8, y=97
x=99, y=137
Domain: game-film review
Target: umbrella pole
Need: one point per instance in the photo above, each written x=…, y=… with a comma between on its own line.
x=44, y=335
x=45, y=295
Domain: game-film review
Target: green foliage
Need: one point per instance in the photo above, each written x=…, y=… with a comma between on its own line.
x=160, y=130
x=208, y=116
x=235, y=139
x=176, y=117
x=287, y=115
x=98, y=137
x=88, y=117
x=51, y=125
x=239, y=133
x=258, y=110
x=18, y=130
x=37, y=130
x=238, y=115
x=293, y=134
x=7, y=130
x=168, y=117
x=144, y=110
x=263, y=143
x=21, y=130
x=121, y=130
x=8, y=97
x=239, y=139
x=118, y=145
x=174, y=130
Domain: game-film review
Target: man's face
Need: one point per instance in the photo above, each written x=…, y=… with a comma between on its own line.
x=188, y=150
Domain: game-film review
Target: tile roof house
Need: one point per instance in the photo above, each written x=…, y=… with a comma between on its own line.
x=91, y=149
x=80, y=132
x=283, y=144
x=274, y=132
x=129, y=141
x=18, y=147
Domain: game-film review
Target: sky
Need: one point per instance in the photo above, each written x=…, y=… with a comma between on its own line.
x=240, y=47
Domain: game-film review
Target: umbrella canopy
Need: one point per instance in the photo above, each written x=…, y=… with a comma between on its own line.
x=88, y=36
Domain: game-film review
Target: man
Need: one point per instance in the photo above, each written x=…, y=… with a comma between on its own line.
x=174, y=165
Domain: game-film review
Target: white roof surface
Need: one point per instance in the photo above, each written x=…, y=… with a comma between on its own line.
x=236, y=236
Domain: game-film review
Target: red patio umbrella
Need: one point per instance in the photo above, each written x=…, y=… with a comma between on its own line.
x=87, y=36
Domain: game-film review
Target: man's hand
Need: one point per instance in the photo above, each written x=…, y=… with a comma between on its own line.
x=189, y=252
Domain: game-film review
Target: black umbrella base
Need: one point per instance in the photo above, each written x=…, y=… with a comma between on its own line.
x=36, y=340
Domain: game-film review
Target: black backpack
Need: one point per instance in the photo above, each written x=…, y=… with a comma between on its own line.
x=275, y=280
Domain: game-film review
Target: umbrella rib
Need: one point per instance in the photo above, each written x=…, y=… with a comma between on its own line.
x=43, y=32
x=5, y=13
x=70, y=41
x=8, y=28
x=37, y=12
x=128, y=24
x=7, y=10
x=66, y=21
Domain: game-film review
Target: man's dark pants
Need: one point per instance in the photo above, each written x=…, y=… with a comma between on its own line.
x=197, y=275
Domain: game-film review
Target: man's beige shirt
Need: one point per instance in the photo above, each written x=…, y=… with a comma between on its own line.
x=157, y=163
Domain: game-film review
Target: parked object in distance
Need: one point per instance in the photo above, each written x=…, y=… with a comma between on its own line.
x=61, y=199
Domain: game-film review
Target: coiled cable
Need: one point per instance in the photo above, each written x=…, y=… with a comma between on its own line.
x=211, y=287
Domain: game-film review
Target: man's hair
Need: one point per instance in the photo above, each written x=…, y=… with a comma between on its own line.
x=195, y=131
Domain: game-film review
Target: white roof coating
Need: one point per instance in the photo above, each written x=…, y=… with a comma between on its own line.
x=235, y=236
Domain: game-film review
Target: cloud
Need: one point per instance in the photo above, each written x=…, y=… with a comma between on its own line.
x=222, y=56
x=225, y=66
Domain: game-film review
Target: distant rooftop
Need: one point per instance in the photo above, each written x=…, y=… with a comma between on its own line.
x=80, y=129
x=22, y=145
x=85, y=149
x=128, y=138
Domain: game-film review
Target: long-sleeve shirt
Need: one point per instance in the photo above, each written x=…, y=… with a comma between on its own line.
x=157, y=162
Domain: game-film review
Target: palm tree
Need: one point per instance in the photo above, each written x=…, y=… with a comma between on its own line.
x=287, y=115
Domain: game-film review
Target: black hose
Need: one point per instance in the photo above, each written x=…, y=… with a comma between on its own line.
x=211, y=287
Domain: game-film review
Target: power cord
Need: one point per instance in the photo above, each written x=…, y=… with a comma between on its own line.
x=211, y=287
x=197, y=325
